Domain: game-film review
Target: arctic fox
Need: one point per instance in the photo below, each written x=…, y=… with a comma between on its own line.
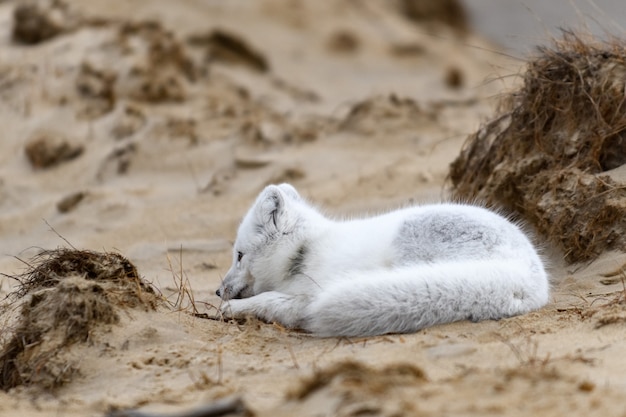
x=394, y=273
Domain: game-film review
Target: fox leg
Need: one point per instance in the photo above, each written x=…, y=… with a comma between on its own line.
x=272, y=306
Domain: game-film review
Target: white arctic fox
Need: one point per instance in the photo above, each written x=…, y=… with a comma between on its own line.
x=395, y=273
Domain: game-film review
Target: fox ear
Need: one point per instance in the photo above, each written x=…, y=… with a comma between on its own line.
x=289, y=190
x=271, y=206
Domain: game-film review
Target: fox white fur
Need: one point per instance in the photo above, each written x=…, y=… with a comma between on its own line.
x=394, y=273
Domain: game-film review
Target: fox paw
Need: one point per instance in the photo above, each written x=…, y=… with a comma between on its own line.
x=234, y=309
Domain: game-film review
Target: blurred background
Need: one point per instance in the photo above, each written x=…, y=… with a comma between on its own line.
x=519, y=25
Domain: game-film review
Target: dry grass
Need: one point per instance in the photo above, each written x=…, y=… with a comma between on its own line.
x=545, y=154
x=184, y=299
x=50, y=267
x=65, y=295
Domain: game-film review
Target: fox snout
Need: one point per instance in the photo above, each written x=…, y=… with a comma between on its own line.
x=236, y=284
x=226, y=293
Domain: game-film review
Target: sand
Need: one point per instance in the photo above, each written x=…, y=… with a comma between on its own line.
x=166, y=137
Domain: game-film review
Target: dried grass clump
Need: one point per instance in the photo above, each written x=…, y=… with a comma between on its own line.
x=544, y=156
x=50, y=267
x=70, y=293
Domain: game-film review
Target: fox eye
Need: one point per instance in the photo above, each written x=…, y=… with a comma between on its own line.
x=239, y=256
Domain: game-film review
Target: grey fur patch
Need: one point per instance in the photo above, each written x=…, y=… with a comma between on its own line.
x=297, y=261
x=420, y=238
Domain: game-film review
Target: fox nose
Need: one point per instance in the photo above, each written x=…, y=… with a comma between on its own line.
x=218, y=293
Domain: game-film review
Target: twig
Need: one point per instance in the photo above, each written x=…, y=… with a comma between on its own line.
x=59, y=234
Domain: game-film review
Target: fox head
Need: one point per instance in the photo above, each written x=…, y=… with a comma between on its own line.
x=267, y=238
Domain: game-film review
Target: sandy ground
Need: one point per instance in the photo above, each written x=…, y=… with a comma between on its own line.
x=357, y=107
